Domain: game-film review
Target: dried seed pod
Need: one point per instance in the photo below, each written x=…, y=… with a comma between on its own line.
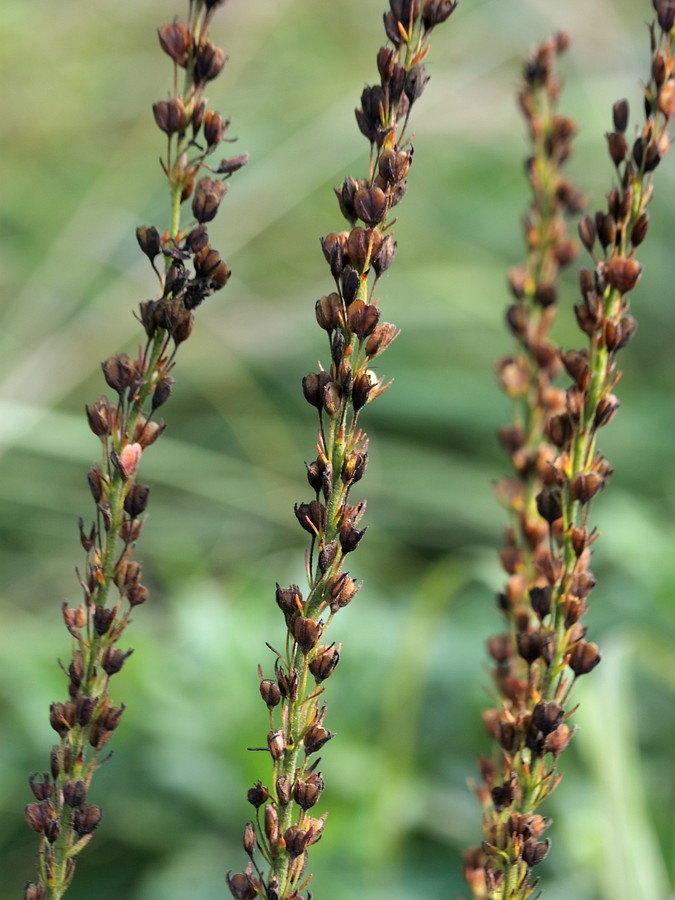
x=206, y=200
x=176, y=40
x=315, y=738
x=170, y=115
x=584, y=657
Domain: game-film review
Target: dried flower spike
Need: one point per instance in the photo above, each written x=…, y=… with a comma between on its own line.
x=558, y=469
x=125, y=425
x=350, y=317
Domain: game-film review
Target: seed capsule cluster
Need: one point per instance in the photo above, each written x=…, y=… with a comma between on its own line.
x=558, y=469
x=350, y=316
x=126, y=423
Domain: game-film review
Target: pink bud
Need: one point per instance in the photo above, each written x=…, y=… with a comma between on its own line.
x=130, y=458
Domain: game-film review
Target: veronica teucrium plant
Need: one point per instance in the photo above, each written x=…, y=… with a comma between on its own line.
x=558, y=465
x=286, y=826
x=125, y=420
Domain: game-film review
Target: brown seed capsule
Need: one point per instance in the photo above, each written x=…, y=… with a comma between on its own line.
x=137, y=594
x=289, y=600
x=577, y=367
x=586, y=485
x=606, y=410
x=617, y=146
x=113, y=659
x=214, y=128
x=42, y=789
x=306, y=793
x=324, y=662
x=350, y=281
x=170, y=115
x=119, y=372
x=540, y=600
x=136, y=500
x=241, y=886
x=209, y=62
x=206, y=200
x=500, y=647
x=269, y=691
x=34, y=891
x=546, y=294
x=503, y=794
x=380, y=338
x=74, y=792
x=306, y=632
x=362, y=245
x=283, y=786
x=250, y=842
x=415, y=82
x=162, y=391
x=361, y=389
x=548, y=505
x=310, y=515
x=329, y=312
x=342, y=589
x=271, y=824
x=620, y=115
x=99, y=417
x=587, y=232
x=371, y=205
x=295, y=839
x=313, y=387
x=327, y=556
x=276, y=742
x=584, y=657
x=606, y=228
x=508, y=736
x=148, y=240
x=62, y=717
x=623, y=274
x=103, y=619
x=556, y=742
x=535, y=851
x=546, y=717
x=394, y=165
x=257, y=795
x=315, y=738
x=176, y=40
x=38, y=815
x=363, y=318
x=385, y=256
x=529, y=646
x=86, y=819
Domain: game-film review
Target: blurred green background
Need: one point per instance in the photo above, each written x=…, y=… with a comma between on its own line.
x=79, y=172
